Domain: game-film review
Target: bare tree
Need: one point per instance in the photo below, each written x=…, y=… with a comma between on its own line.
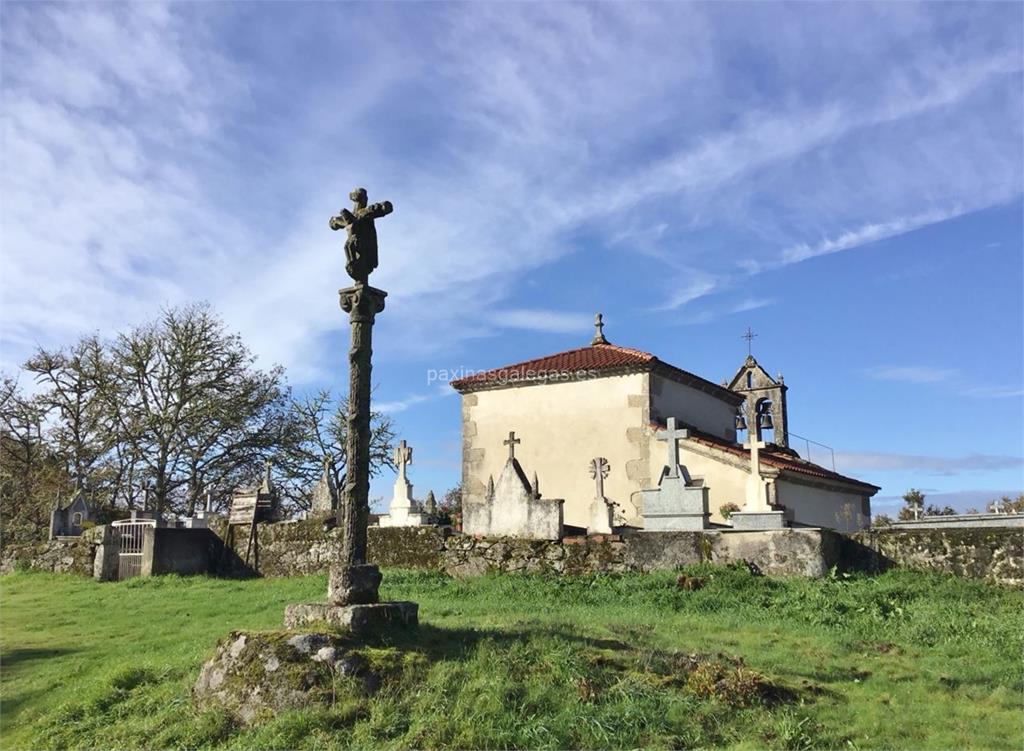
x=30, y=476
x=188, y=405
x=318, y=429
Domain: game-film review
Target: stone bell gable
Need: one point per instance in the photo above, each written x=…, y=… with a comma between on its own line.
x=764, y=395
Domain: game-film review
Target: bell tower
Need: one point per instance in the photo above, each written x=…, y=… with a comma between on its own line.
x=765, y=407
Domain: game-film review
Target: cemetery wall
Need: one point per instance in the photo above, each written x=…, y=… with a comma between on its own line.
x=993, y=555
x=62, y=555
x=167, y=550
x=307, y=548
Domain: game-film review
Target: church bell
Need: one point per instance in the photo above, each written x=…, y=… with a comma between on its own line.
x=741, y=421
x=765, y=422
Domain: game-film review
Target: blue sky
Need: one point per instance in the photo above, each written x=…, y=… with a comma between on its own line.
x=844, y=178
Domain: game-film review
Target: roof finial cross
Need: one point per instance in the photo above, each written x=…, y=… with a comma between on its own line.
x=512, y=442
x=750, y=336
x=598, y=331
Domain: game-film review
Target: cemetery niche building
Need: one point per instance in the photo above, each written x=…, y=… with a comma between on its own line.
x=71, y=519
x=671, y=456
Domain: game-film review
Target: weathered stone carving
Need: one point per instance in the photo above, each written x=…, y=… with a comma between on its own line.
x=361, y=243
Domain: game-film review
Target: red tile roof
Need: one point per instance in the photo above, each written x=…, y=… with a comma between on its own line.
x=776, y=456
x=586, y=362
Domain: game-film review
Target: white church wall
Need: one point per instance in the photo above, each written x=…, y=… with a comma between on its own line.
x=815, y=506
x=563, y=426
x=704, y=411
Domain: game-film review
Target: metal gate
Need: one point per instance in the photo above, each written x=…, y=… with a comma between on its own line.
x=130, y=534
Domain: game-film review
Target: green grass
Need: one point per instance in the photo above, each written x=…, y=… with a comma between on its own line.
x=902, y=660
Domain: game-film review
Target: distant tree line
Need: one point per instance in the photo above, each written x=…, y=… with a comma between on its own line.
x=168, y=411
x=914, y=508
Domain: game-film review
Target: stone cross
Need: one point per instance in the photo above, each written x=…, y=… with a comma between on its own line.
x=599, y=469
x=757, y=494
x=671, y=434
x=598, y=331
x=403, y=457
x=512, y=442
x=209, y=501
x=361, y=244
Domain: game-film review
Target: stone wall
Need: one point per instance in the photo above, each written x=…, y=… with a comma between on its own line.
x=303, y=548
x=994, y=555
x=62, y=555
x=307, y=548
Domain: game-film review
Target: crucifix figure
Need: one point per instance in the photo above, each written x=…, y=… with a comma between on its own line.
x=671, y=435
x=511, y=443
x=599, y=469
x=750, y=336
x=361, y=243
x=403, y=457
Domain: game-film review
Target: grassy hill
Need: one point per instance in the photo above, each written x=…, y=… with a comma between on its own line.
x=902, y=660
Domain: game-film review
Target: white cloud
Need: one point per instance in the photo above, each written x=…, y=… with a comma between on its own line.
x=546, y=321
x=154, y=168
x=941, y=465
x=911, y=374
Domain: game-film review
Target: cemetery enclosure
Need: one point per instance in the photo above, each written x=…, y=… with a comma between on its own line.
x=295, y=549
x=903, y=660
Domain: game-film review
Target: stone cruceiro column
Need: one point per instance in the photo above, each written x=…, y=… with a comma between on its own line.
x=353, y=585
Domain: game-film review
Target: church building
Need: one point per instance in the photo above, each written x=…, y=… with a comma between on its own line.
x=614, y=403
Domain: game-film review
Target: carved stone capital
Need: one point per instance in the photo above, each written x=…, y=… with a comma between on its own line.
x=362, y=302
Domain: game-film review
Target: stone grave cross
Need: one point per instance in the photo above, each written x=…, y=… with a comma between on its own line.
x=511, y=442
x=671, y=434
x=599, y=469
x=403, y=457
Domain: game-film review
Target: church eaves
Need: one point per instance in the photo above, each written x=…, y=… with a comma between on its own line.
x=596, y=361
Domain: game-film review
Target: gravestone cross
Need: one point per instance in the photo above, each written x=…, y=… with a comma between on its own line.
x=671, y=435
x=599, y=469
x=403, y=457
x=511, y=442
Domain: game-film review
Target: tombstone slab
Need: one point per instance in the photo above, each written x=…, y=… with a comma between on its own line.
x=754, y=520
x=675, y=506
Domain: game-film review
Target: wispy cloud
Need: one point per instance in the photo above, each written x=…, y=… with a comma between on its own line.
x=939, y=465
x=546, y=321
x=401, y=405
x=950, y=379
x=863, y=235
x=154, y=165
x=911, y=373
x=711, y=313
